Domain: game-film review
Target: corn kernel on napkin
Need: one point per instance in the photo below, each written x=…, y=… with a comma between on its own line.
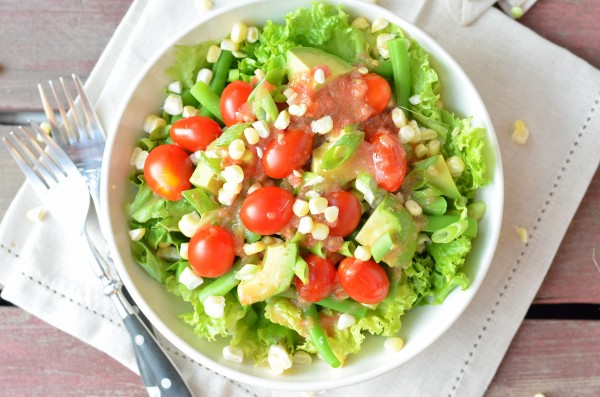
x=545, y=180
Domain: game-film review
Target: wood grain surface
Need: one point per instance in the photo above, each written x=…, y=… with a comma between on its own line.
x=43, y=40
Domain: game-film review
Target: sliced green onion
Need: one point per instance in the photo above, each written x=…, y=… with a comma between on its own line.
x=230, y=134
x=212, y=163
x=301, y=269
x=450, y=232
x=401, y=70
x=384, y=69
x=435, y=223
x=234, y=75
x=347, y=248
x=263, y=105
x=202, y=200
x=381, y=247
x=342, y=150
x=318, y=249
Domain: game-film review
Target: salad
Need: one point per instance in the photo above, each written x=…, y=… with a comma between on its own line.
x=305, y=186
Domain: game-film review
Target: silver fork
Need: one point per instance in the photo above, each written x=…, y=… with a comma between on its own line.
x=82, y=138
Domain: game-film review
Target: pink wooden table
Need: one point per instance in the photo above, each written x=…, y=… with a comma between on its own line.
x=43, y=40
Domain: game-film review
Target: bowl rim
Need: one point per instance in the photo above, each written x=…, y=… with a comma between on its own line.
x=282, y=383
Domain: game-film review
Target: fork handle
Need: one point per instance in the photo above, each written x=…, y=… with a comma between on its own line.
x=158, y=372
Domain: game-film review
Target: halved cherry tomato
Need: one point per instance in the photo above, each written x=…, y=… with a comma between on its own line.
x=195, y=133
x=267, y=210
x=349, y=215
x=234, y=96
x=365, y=282
x=286, y=153
x=321, y=279
x=379, y=92
x=211, y=251
x=167, y=170
x=389, y=160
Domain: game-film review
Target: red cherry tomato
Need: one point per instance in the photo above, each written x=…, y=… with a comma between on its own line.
x=267, y=210
x=379, y=92
x=167, y=170
x=349, y=215
x=365, y=282
x=321, y=279
x=286, y=153
x=234, y=96
x=195, y=133
x=389, y=160
x=211, y=251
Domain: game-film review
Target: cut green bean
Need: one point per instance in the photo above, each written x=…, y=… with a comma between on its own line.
x=220, y=286
x=384, y=69
x=431, y=201
x=208, y=99
x=348, y=306
x=319, y=337
x=401, y=70
x=217, y=83
x=221, y=72
x=476, y=210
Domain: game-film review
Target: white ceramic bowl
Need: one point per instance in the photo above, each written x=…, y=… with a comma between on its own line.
x=421, y=326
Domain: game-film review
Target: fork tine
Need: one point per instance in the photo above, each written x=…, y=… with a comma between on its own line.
x=47, y=165
x=57, y=154
x=90, y=114
x=57, y=132
x=80, y=126
x=18, y=152
x=72, y=135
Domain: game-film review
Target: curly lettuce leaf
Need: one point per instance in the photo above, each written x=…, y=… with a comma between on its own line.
x=188, y=61
x=468, y=143
x=449, y=259
x=205, y=326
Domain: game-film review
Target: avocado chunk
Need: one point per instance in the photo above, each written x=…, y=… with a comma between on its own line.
x=275, y=276
x=390, y=222
x=436, y=174
x=204, y=177
x=303, y=59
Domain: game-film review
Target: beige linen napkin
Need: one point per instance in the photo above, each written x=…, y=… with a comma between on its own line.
x=518, y=74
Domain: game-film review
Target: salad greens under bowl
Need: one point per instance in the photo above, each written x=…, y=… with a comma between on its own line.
x=303, y=195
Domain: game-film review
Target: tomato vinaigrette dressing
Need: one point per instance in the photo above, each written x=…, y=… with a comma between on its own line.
x=345, y=100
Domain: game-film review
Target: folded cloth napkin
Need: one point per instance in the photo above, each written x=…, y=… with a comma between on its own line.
x=519, y=76
x=466, y=11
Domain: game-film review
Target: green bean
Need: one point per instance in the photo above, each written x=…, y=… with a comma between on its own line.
x=432, y=203
x=209, y=100
x=319, y=337
x=476, y=210
x=220, y=286
x=384, y=69
x=218, y=81
x=348, y=306
x=401, y=69
x=221, y=72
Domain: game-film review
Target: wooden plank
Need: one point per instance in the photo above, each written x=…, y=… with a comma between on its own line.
x=43, y=40
x=540, y=359
x=38, y=360
x=572, y=24
x=573, y=277
x=557, y=358
x=11, y=177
